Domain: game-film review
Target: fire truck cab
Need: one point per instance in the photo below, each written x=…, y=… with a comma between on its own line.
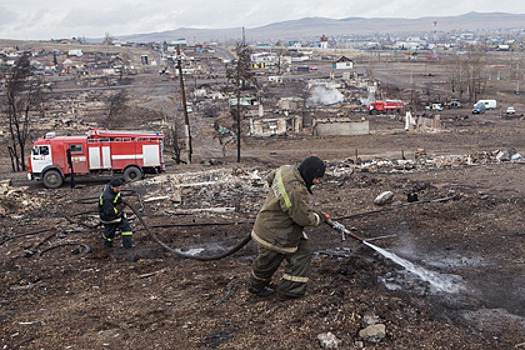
x=100, y=152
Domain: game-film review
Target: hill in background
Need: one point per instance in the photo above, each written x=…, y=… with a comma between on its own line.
x=313, y=27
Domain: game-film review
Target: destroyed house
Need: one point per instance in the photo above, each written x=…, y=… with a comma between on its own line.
x=291, y=103
x=339, y=127
x=244, y=101
x=275, y=126
x=343, y=63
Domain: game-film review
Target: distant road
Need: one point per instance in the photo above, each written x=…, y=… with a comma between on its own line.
x=226, y=54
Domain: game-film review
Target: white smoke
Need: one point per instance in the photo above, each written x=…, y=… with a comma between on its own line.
x=325, y=96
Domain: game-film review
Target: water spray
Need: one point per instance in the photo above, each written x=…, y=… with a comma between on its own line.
x=441, y=283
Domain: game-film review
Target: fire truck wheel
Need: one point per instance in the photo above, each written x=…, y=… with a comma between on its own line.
x=53, y=179
x=132, y=173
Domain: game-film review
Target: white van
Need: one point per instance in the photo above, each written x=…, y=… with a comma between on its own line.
x=489, y=104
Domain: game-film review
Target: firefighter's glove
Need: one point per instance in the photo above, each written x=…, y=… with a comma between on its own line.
x=120, y=207
x=320, y=217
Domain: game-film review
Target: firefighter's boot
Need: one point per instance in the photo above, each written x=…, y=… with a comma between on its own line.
x=261, y=291
x=127, y=241
x=108, y=242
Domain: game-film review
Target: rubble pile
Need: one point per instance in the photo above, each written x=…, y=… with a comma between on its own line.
x=17, y=200
x=422, y=162
x=242, y=191
x=479, y=158
x=237, y=188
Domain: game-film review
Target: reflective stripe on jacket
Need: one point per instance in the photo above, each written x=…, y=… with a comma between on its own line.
x=280, y=222
x=107, y=206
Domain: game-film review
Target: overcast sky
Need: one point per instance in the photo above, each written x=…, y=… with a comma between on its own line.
x=46, y=19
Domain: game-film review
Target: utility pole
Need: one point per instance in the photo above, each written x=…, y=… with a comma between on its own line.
x=184, y=106
x=517, y=92
x=239, y=62
x=412, y=87
x=238, y=124
x=434, y=54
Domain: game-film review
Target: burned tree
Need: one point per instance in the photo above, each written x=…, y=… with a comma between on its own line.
x=108, y=39
x=116, y=106
x=477, y=73
x=241, y=78
x=23, y=92
x=176, y=138
x=224, y=135
x=469, y=74
x=279, y=62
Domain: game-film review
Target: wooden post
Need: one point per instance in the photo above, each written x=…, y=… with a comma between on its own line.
x=184, y=106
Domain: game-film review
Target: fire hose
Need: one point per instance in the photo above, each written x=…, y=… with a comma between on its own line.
x=327, y=220
x=231, y=251
x=330, y=222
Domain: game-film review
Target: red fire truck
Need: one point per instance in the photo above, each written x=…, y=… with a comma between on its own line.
x=100, y=152
x=387, y=106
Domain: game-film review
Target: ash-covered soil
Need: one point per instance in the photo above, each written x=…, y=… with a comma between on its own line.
x=61, y=290
x=54, y=295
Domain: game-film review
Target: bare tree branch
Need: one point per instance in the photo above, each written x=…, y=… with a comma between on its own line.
x=24, y=98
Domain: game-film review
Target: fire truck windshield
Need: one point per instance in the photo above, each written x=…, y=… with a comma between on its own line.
x=41, y=150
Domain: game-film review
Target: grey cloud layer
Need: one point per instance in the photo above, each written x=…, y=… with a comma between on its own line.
x=36, y=19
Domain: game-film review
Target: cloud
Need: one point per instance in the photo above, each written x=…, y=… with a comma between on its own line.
x=7, y=18
x=37, y=19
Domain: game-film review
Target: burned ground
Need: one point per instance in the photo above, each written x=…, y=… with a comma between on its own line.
x=150, y=298
x=467, y=227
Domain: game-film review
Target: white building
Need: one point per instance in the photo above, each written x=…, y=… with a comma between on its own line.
x=268, y=58
x=76, y=52
x=323, y=42
x=343, y=63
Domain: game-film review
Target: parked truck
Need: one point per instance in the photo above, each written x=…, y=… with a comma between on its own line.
x=303, y=68
x=489, y=104
x=387, y=106
x=479, y=108
x=98, y=152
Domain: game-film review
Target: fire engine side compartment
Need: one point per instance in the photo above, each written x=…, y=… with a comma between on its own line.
x=124, y=153
x=152, y=153
x=99, y=154
x=121, y=152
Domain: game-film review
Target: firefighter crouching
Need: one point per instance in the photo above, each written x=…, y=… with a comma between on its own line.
x=279, y=226
x=111, y=211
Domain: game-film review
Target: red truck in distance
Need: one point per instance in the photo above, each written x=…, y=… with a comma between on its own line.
x=385, y=107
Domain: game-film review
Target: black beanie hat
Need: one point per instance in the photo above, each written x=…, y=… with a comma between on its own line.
x=311, y=168
x=116, y=182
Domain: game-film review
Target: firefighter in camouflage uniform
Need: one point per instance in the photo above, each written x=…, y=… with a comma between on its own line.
x=279, y=226
x=111, y=211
